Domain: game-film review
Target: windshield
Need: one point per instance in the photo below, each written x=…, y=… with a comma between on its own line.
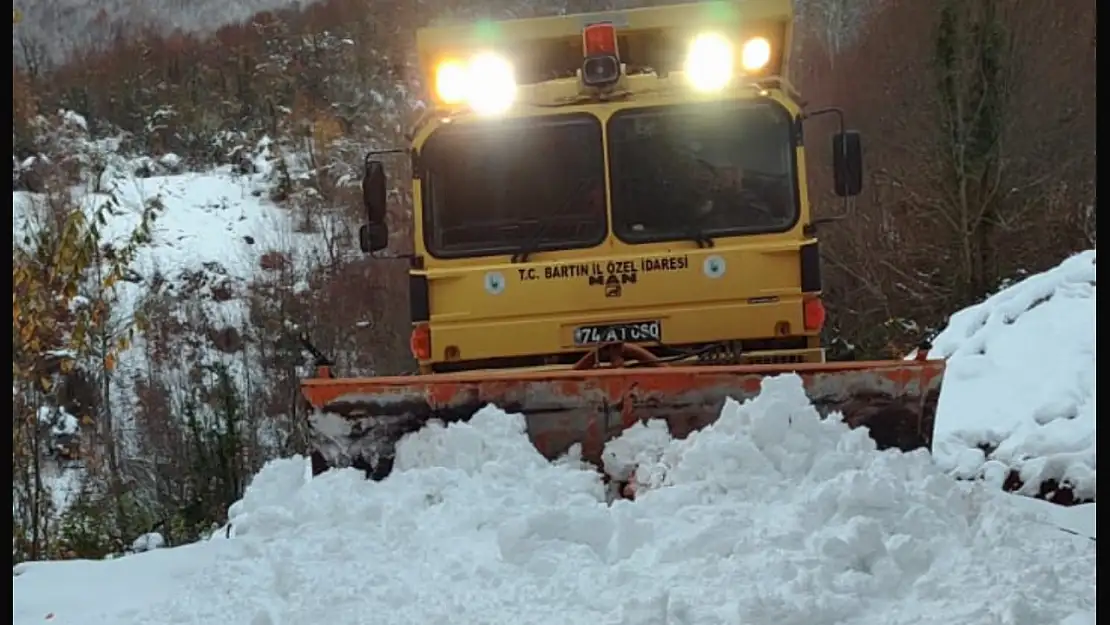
x=705, y=170
x=501, y=186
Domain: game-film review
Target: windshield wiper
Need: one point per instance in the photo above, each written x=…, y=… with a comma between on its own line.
x=532, y=245
x=697, y=233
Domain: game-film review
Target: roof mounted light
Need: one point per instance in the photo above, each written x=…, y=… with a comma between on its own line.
x=756, y=54
x=601, y=66
x=709, y=62
x=493, y=84
x=599, y=39
x=486, y=83
x=451, y=82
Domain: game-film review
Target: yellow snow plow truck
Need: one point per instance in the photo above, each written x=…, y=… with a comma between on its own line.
x=611, y=224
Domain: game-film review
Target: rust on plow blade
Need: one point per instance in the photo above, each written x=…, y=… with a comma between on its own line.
x=357, y=421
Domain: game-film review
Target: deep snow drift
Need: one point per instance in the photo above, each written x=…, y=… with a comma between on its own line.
x=1020, y=382
x=771, y=516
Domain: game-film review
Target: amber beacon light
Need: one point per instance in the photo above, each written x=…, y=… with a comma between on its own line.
x=602, y=65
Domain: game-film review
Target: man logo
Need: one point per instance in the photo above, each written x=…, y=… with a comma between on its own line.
x=612, y=286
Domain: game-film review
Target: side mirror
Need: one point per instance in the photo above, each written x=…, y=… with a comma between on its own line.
x=373, y=191
x=373, y=237
x=847, y=163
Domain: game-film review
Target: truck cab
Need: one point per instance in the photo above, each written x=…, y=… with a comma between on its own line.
x=634, y=178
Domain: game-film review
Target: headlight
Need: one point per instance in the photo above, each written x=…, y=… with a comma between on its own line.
x=756, y=54
x=709, y=62
x=451, y=82
x=486, y=83
x=492, y=84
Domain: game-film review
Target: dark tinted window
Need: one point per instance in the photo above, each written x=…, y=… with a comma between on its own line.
x=498, y=186
x=710, y=169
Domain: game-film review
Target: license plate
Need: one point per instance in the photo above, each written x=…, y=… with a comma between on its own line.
x=635, y=332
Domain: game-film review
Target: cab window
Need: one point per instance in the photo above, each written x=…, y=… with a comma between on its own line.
x=702, y=170
x=502, y=186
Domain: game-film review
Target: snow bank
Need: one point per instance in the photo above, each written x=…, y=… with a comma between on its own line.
x=771, y=516
x=1020, y=383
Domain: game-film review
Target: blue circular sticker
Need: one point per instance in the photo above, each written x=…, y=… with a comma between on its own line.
x=714, y=266
x=495, y=283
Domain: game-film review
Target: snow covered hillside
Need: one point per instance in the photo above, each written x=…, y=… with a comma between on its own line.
x=215, y=233
x=220, y=222
x=771, y=516
x=66, y=26
x=1018, y=403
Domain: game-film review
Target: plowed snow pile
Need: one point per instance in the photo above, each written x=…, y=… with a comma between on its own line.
x=771, y=516
x=1019, y=390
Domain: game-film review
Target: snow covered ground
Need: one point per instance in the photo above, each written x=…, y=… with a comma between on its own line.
x=772, y=516
x=1019, y=390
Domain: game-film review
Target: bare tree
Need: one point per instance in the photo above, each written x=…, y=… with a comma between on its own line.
x=979, y=129
x=835, y=24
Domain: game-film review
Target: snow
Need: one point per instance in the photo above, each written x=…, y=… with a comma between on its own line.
x=64, y=481
x=211, y=232
x=217, y=221
x=148, y=542
x=170, y=161
x=58, y=420
x=770, y=516
x=74, y=119
x=1020, y=381
x=1078, y=520
x=638, y=446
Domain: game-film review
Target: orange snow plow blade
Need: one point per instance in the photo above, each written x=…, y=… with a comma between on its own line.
x=357, y=421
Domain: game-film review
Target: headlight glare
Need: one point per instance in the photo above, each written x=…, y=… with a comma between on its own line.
x=709, y=62
x=492, y=84
x=486, y=83
x=451, y=82
x=756, y=54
